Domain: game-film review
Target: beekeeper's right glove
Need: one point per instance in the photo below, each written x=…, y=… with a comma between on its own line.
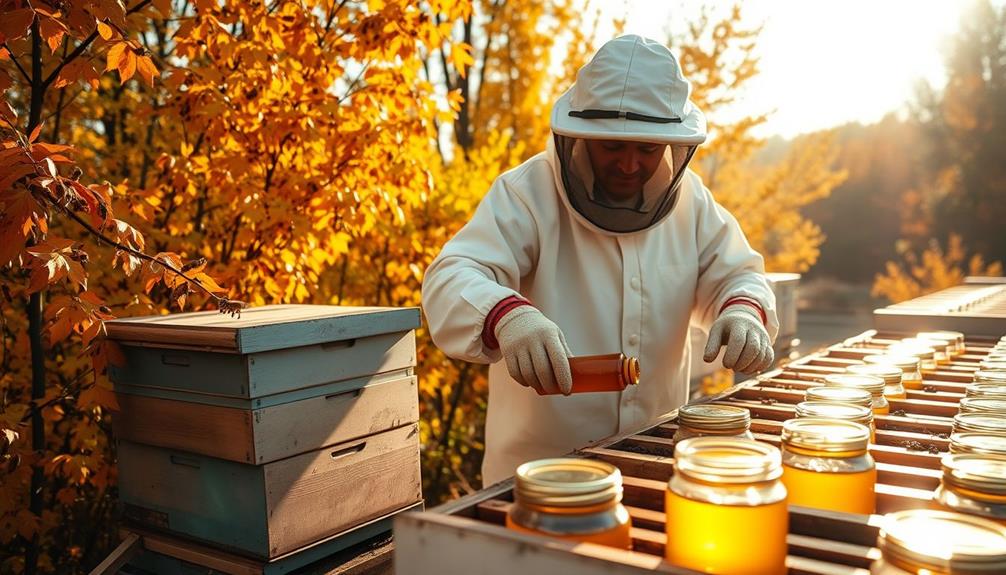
x=535, y=351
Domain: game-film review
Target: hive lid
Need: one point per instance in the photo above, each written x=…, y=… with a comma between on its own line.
x=263, y=328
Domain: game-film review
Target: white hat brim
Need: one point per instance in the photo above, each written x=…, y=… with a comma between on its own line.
x=691, y=130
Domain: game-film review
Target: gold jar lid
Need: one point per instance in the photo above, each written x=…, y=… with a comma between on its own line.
x=955, y=337
x=976, y=471
x=992, y=365
x=907, y=363
x=984, y=443
x=943, y=542
x=567, y=482
x=836, y=394
x=986, y=388
x=911, y=349
x=727, y=460
x=844, y=411
x=994, y=405
x=714, y=417
x=891, y=374
x=630, y=371
x=825, y=435
x=938, y=345
x=871, y=383
x=979, y=423
x=990, y=380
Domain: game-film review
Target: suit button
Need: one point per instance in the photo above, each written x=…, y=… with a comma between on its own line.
x=633, y=339
x=634, y=282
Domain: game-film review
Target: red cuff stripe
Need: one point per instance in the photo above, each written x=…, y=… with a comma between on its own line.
x=748, y=302
x=505, y=306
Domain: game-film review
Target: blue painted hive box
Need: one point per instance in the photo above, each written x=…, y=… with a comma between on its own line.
x=267, y=433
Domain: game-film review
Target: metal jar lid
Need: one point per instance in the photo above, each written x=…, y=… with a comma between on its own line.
x=844, y=411
x=727, y=460
x=836, y=394
x=994, y=379
x=912, y=349
x=871, y=383
x=630, y=371
x=943, y=542
x=984, y=443
x=891, y=374
x=996, y=363
x=907, y=363
x=567, y=482
x=975, y=471
x=956, y=337
x=825, y=435
x=940, y=346
x=990, y=405
x=703, y=416
x=979, y=423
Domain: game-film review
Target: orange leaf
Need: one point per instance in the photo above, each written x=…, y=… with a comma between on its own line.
x=92, y=331
x=52, y=31
x=147, y=69
x=15, y=24
x=105, y=31
x=114, y=55
x=208, y=283
x=127, y=66
x=35, y=132
x=60, y=329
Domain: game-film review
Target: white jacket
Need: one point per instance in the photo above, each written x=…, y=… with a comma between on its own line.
x=634, y=293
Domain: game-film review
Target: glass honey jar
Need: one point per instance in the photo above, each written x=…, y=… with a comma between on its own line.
x=726, y=507
x=932, y=542
x=981, y=443
x=955, y=339
x=911, y=373
x=941, y=348
x=974, y=484
x=989, y=405
x=571, y=499
x=699, y=420
x=843, y=411
x=979, y=423
x=891, y=374
x=826, y=465
x=607, y=372
x=851, y=395
x=870, y=383
x=926, y=355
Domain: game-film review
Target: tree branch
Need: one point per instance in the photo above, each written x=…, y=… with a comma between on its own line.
x=16, y=63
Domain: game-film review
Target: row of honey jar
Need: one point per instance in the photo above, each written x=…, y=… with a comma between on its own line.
x=726, y=505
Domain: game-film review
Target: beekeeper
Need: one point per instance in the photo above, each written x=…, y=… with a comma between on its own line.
x=602, y=243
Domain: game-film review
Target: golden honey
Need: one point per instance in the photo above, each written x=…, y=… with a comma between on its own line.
x=571, y=499
x=843, y=411
x=974, y=484
x=931, y=542
x=607, y=372
x=891, y=374
x=911, y=373
x=726, y=507
x=826, y=465
x=700, y=420
x=870, y=383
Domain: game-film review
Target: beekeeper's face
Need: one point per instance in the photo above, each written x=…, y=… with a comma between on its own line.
x=622, y=167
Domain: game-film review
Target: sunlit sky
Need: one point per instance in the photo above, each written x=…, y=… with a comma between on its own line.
x=823, y=63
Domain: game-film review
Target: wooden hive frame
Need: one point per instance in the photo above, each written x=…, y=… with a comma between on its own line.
x=908, y=449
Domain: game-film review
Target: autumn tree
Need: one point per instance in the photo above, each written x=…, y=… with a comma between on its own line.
x=932, y=270
x=250, y=142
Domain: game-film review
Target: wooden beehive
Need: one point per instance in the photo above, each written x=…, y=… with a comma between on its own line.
x=907, y=451
x=266, y=434
x=976, y=307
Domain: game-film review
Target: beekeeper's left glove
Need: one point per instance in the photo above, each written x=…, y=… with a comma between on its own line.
x=749, y=348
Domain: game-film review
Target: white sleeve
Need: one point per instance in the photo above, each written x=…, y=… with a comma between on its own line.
x=728, y=266
x=481, y=265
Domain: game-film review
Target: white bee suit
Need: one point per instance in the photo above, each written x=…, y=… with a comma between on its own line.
x=607, y=292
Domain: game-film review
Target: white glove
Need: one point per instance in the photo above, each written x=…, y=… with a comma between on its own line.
x=535, y=351
x=749, y=348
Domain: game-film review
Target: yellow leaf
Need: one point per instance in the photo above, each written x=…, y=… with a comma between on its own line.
x=461, y=58
x=147, y=69
x=127, y=66
x=105, y=31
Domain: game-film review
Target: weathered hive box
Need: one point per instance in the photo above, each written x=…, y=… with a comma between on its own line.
x=976, y=307
x=909, y=445
x=270, y=432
